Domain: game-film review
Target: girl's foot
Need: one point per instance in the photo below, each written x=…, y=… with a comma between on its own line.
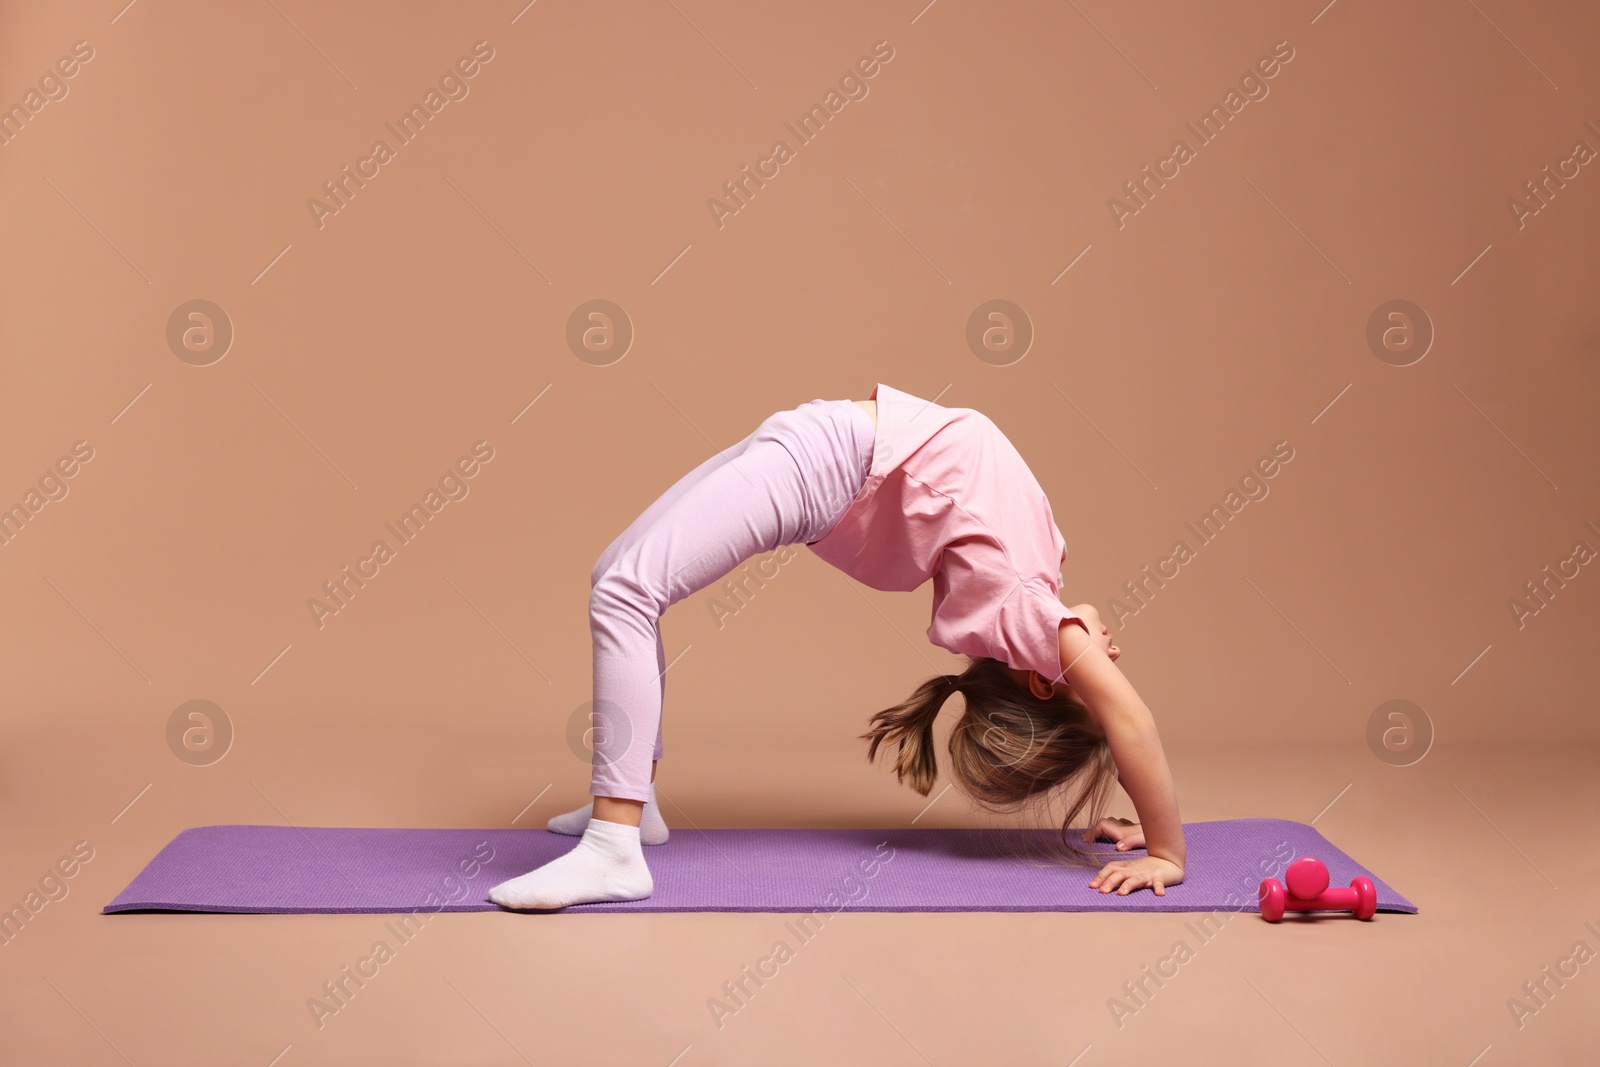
x=652, y=828
x=607, y=864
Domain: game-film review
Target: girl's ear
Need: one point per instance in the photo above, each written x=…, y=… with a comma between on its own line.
x=1039, y=687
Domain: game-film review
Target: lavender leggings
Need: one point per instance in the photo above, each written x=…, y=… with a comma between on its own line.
x=789, y=481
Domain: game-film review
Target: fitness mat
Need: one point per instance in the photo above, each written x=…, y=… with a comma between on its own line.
x=295, y=870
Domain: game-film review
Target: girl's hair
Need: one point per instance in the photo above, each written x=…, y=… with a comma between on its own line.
x=1010, y=750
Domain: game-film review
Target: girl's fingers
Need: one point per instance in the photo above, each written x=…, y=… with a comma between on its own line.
x=1123, y=878
x=1110, y=828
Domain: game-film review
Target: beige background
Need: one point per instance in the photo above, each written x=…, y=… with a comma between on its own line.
x=432, y=310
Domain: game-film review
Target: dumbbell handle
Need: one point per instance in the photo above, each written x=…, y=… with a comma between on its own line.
x=1332, y=899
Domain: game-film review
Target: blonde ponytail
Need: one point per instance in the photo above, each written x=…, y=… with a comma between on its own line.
x=909, y=726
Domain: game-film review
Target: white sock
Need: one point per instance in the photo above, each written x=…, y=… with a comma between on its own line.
x=606, y=864
x=652, y=828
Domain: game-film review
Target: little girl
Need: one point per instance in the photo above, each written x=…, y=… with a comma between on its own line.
x=892, y=490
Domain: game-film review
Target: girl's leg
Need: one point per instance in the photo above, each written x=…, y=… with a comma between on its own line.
x=637, y=528
x=753, y=502
x=786, y=483
x=652, y=827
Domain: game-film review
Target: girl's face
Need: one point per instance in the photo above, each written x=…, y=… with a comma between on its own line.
x=1091, y=615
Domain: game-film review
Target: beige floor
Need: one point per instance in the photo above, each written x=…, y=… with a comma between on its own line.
x=885, y=989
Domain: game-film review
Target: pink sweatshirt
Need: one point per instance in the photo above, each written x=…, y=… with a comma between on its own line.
x=948, y=497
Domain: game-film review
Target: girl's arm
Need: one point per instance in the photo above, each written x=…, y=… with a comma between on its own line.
x=1130, y=730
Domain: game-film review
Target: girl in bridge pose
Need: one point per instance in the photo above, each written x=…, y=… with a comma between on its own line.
x=893, y=490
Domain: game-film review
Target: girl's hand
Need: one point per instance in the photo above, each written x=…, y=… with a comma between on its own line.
x=1127, y=875
x=1125, y=833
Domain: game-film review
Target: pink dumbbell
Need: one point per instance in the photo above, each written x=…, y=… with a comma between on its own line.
x=1308, y=891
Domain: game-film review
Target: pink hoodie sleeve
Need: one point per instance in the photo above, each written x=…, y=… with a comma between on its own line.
x=1027, y=628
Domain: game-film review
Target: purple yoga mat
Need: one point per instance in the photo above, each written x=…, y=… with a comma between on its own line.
x=328, y=869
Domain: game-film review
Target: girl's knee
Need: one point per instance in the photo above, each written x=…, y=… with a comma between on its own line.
x=604, y=563
x=616, y=596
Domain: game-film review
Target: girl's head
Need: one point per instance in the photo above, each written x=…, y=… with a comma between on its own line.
x=1018, y=739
